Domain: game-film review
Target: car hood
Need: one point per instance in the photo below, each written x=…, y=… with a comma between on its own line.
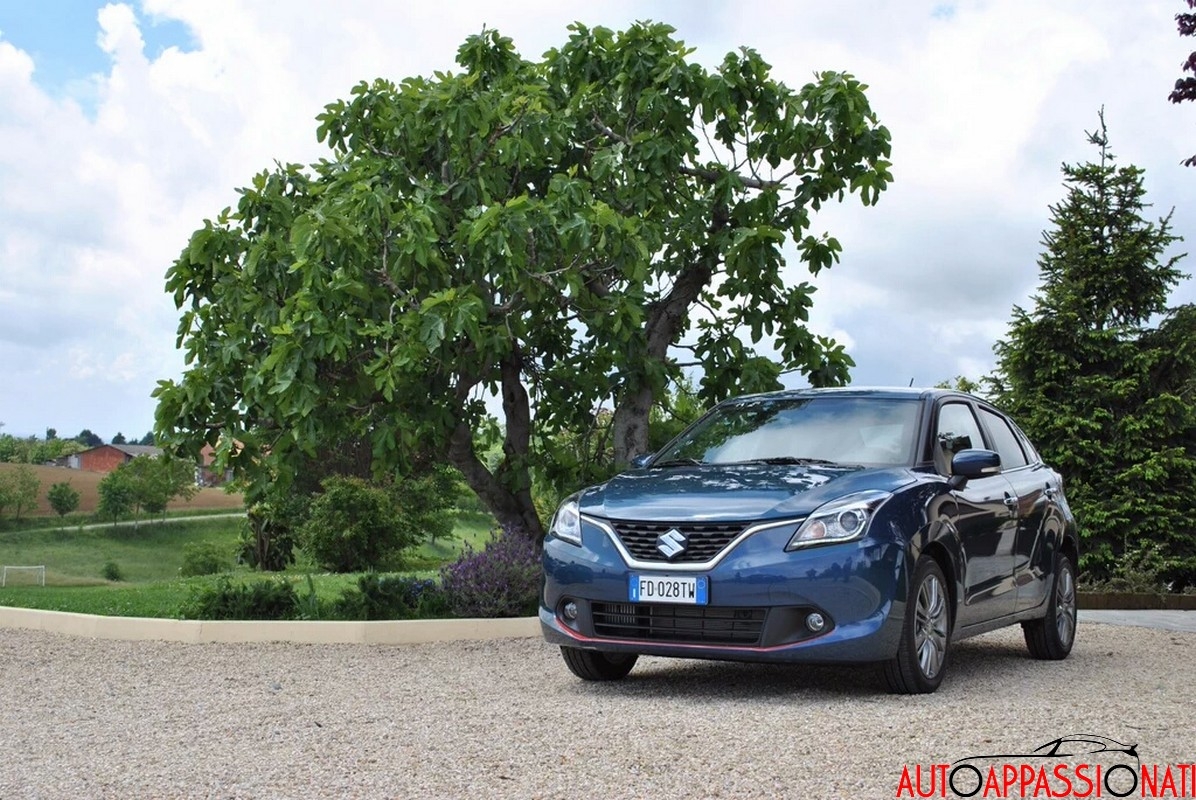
x=731, y=492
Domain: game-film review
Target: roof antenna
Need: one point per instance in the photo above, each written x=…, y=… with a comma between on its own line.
x=911, y=383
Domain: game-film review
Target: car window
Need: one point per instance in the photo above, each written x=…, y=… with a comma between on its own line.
x=1005, y=440
x=843, y=430
x=957, y=430
x=1031, y=454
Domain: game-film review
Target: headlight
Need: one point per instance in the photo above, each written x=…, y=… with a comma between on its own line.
x=566, y=523
x=839, y=520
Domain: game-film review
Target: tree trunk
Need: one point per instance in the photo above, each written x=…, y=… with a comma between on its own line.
x=630, y=424
x=507, y=490
x=513, y=510
x=665, y=321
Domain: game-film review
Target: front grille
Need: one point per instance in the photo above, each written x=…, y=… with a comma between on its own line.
x=669, y=623
x=704, y=541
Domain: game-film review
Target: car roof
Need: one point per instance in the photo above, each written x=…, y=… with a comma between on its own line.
x=883, y=392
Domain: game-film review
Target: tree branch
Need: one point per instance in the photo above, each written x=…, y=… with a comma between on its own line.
x=712, y=176
x=607, y=132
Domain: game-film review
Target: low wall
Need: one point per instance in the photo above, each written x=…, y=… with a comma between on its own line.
x=202, y=631
x=1136, y=602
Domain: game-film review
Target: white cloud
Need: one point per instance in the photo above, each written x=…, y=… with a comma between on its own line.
x=984, y=104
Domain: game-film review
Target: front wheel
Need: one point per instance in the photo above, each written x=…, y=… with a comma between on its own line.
x=1051, y=637
x=921, y=659
x=591, y=665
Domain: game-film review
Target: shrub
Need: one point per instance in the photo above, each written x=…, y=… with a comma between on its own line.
x=202, y=558
x=111, y=571
x=263, y=600
x=353, y=526
x=63, y=498
x=501, y=581
x=392, y=597
x=1140, y=570
x=271, y=525
x=425, y=503
x=309, y=606
x=116, y=495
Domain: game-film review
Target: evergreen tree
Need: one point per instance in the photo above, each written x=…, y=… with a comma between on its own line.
x=1105, y=396
x=88, y=439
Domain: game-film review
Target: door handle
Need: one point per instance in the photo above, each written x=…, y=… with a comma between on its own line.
x=1050, y=492
x=1011, y=501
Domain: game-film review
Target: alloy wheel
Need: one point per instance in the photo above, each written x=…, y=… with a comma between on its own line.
x=931, y=626
x=1065, y=607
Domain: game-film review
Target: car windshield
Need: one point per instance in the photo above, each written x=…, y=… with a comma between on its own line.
x=872, y=431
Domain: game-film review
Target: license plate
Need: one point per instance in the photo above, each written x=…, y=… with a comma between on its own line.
x=692, y=590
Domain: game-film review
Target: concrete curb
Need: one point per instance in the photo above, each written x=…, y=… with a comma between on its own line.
x=134, y=629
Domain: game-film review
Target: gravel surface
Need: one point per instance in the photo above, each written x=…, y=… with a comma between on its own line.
x=83, y=718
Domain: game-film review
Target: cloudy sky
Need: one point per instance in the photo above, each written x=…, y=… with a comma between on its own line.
x=124, y=125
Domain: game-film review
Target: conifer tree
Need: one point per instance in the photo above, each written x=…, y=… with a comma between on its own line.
x=1100, y=373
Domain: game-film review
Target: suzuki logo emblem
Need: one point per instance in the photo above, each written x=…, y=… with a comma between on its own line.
x=671, y=542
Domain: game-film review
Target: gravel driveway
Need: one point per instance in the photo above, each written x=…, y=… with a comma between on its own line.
x=84, y=718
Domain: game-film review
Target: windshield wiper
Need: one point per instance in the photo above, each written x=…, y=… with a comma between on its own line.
x=678, y=462
x=789, y=460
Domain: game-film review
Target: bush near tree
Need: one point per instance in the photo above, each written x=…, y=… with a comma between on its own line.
x=63, y=498
x=18, y=490
x=272, y=528
x=116, y=495
x=31, y=450
x=550, y=231
x=145, y=483
x=353, y=527
x=273, y=599
x=202, y=558
x=378, y=597
x=503, y=580
x=158, y=480
x=1101, y=374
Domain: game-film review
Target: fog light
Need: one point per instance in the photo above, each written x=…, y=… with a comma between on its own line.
x=570, y=610
x=815, y=622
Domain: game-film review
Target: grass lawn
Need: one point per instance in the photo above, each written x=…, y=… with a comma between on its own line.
x=152, y=551
x=149, y=559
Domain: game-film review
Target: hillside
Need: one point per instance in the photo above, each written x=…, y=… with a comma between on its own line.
x=86, y=484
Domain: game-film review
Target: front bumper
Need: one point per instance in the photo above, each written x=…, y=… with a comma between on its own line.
x=759, y=600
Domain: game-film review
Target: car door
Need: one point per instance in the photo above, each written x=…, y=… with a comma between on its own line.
x=1035, y=486
x=985, y=521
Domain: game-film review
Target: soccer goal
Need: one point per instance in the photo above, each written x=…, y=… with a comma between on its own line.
x=39, y=573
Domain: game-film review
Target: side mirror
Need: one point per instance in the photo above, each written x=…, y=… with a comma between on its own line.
x=640, y=461
x=968, y=464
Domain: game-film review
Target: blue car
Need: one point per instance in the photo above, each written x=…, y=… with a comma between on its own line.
x=817, y=526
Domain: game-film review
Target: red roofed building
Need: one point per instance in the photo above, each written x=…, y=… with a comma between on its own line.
x=108, y=457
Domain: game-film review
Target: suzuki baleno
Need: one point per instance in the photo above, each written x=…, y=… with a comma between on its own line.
x=834, y=526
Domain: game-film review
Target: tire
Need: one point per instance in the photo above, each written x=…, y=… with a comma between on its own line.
x=921, y=660
x=1051, y=638
x=591, y=665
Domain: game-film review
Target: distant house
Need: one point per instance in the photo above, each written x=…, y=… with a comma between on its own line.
x=206, y=473
x=108, y=457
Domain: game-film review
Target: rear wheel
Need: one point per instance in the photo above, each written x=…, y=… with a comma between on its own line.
x=591, y=665
x=1051, y=637
x=921, y=659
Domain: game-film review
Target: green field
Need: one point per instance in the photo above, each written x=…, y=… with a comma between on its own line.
x=149, y=558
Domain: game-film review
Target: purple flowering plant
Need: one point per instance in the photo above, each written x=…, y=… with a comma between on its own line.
x=503, y=580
